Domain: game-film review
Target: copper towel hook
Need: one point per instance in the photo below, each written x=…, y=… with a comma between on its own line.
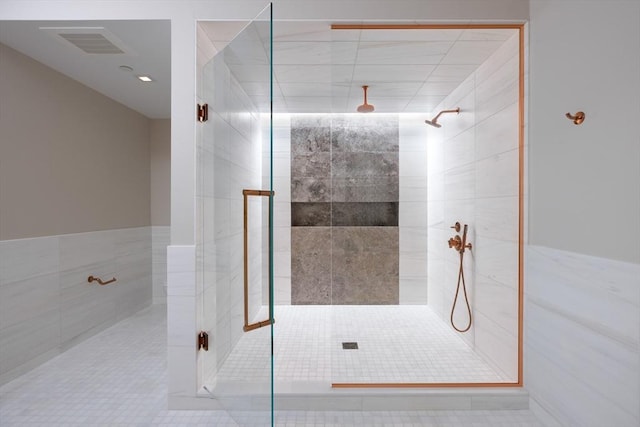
x=99, y=280
x=577, y=119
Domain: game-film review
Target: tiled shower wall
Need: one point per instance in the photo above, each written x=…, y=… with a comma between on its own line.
x=473, y=179
x=344, y=209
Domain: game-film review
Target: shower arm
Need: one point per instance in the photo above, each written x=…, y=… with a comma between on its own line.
x=435, y=119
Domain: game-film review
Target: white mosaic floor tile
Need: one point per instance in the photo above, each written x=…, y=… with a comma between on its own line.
x=118, y=378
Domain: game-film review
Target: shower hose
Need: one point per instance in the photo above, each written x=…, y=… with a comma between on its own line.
x=466, y=297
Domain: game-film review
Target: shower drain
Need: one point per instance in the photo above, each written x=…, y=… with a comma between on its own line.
x=349, y=345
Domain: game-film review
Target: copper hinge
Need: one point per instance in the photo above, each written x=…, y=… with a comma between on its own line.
x=203, y=112
x=203, y=341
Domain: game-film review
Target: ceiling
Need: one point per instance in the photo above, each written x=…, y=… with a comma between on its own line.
x=147, y=50
x=316, y=69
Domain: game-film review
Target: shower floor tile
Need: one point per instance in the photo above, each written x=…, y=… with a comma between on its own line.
x=396, y=344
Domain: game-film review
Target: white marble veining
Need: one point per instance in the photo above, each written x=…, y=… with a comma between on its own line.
x=45, y=297
x=160, y=239
x=582, y=337
x=473, y=179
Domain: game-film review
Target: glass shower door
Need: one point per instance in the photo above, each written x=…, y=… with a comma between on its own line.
x=235, y=241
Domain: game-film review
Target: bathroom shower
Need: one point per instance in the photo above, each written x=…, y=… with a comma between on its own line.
x=434, y=122
x=460, y=244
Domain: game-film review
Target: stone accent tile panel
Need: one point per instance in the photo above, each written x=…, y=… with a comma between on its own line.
x=366, y=189
x=311, y=265
x=305, y=140
x=367, y=214
x=310, y=121
x=365, y=139
x=313, y=165
x=365, y=265
x=310, y=190
x=351, y=165
x=310, y=214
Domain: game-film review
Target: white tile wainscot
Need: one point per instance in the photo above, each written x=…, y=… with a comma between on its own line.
x=582, y=337
x=45, y=297
x=160, y=239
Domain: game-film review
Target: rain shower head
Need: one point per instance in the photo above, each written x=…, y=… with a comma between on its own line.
x=434, y=122
x=365, y=108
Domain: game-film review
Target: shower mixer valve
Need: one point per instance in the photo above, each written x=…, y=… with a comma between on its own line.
x=459, y=243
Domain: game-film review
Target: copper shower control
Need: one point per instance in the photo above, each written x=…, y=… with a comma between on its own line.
x=456, y=227
x=455, y=242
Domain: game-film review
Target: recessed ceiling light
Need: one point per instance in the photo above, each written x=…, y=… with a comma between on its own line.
x=126, y=68
x=145, y=78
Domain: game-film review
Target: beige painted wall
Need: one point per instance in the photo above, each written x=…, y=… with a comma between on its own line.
x=160, y=153
x=71, y=159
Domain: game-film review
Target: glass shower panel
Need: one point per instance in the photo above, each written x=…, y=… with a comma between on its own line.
x=235, y=202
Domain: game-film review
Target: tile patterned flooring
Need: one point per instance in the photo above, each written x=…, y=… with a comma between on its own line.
x=396, y=344
x=118, y=378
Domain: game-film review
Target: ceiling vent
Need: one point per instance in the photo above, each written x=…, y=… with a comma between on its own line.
x=91, y=40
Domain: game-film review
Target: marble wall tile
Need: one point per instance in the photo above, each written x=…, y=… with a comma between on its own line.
x=314, y=165
x=307, y=140
x=365, y=139
x=412, y=164
x=497, y=217
x=17, y=341
x=310, y=190
x=473, y=178
x=311, y=266
x=365, y=164
x=24, y=258
x=22, y=300
x=310, y=214
x=496, y=134
x=460, y=182
x=365, y=214
x=413, y=214
x=160, y=239
x=365, y=265
x=53, y=304
x=412, y=188
x=583, y=357
x=497, y=176
x=365, y=189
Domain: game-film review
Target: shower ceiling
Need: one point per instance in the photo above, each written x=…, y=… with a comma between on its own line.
x=317, y=69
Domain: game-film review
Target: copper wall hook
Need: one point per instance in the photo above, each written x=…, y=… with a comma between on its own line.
x=577, y=119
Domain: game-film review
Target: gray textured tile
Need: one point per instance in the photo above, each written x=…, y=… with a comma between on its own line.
x=305, y=140
x=364, y=214
x=313, y=165
x=311, y=214
x=365, y=265
x=365, y=139
x=310, y=190
x=366, y=189
x=310, y=120
x=311, y=265
x=349, y=165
